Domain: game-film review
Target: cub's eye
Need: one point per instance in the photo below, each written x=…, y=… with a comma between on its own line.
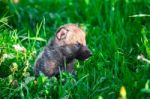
x=78, y=44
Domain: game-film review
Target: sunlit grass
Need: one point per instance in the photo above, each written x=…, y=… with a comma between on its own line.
x=117, y=33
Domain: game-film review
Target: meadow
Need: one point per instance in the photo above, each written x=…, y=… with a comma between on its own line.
x=118, y=33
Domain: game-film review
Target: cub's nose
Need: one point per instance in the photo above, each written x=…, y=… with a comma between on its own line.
x=90, y=53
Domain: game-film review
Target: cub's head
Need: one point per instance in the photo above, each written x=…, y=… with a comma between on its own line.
x=70, y=34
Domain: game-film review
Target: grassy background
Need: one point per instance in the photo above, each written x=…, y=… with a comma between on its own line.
x=117, y=32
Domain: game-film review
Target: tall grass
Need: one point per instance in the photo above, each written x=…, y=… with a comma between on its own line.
x=117, y=32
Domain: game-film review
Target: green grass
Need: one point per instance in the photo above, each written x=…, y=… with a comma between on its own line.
x=116, y=34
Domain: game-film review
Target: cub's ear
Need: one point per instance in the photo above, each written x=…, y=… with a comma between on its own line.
x=61, y=33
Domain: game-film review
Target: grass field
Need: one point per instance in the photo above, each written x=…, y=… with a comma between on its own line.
x=118, y=31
